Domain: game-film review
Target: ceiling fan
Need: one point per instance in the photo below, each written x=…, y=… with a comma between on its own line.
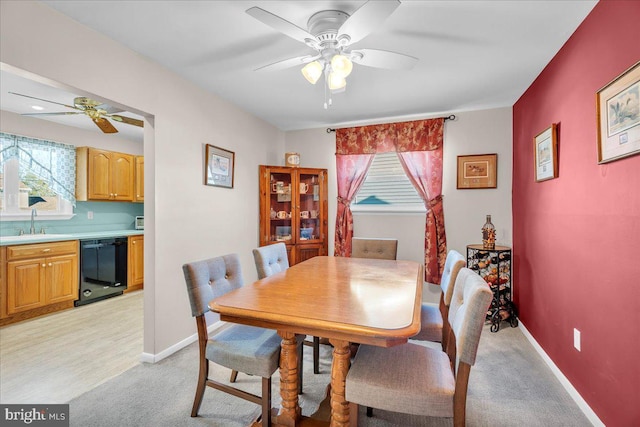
x=331, y=33
x=96, y=111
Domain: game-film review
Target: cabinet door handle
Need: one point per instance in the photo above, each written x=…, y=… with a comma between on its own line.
x=50, y=264
x=46, y=250
x=115, y=195
x=44, y=265
x=134, y=242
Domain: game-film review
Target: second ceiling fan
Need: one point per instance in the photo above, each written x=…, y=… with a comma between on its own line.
x=97, y=111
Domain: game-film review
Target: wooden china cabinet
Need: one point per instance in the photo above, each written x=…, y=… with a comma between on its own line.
x=293, y=210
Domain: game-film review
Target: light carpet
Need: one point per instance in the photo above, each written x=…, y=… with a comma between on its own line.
x=510, y=385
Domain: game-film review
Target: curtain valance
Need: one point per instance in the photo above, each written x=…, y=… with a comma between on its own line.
x=417, y=135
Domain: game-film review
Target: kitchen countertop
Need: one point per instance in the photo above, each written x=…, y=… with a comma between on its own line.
x=42, y=238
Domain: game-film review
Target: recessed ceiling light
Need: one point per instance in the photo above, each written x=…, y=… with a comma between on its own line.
x=37, y=107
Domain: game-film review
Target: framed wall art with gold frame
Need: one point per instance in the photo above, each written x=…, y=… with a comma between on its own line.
x=545, y=154
x=477, y=171
x=618, y=109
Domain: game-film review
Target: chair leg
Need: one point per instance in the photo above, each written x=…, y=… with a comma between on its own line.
x=369, y=411
x=353, y=414
x=316, y=355
x=266, y=402
x=300, y=370
x=234, y=375
x=202, y=384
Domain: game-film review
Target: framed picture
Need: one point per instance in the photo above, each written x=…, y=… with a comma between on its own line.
x=618, y=109
x=477, y=171
x=219, y=166
x=545, y=154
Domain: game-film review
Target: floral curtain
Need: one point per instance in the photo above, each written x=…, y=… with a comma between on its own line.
x=422, y=141
x=424, y=169
x=351, y=172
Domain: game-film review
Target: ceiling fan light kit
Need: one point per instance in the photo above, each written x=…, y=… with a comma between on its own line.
x=331, y=33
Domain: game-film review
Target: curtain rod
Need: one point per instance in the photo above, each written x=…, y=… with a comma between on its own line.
x=451, y=117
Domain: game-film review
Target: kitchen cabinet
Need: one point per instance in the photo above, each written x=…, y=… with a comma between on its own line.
x=293, y=210
x=135, y=279
x=139, y=179
x=41, y=275
x=104, y=175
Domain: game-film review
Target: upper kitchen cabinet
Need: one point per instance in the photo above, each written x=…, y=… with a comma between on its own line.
x=139, y=180
x=293, y=210
x=104, y=175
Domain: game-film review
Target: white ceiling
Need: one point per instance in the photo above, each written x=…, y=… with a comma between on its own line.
x=472, y=54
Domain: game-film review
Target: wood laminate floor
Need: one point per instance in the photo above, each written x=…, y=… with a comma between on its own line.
x=54, y=358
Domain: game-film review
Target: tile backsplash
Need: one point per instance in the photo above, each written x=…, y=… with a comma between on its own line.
x=107, y=216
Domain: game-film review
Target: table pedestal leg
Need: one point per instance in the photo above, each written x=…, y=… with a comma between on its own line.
x=339, y=369
x=290, y=411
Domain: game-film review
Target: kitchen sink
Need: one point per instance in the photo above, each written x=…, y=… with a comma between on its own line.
x=30, y=237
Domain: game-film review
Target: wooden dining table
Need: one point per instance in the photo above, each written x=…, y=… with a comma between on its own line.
x=347, y=300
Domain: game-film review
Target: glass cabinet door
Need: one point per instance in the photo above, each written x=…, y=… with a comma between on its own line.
x=309, y=206
x=281, y=207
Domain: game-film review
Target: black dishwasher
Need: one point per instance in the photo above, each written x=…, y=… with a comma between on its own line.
x=103, y=269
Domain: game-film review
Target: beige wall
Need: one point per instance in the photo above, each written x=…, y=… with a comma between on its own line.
x=477, y=132
x=185, y=220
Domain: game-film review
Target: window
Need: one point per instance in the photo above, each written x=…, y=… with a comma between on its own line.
x=387, y=188
x=36, y=174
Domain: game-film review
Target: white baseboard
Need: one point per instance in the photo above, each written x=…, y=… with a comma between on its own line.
x=154, y=358
x=582, y=404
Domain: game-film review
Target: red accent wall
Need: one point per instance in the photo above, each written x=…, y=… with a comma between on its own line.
x=577, y=237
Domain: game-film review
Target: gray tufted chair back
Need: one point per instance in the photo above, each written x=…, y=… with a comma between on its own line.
x=452, y=265
x=467, y=313
x=271, y=259
x=210, y=279
x=374, y=248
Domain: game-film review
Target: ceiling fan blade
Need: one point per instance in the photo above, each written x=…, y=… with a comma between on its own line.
x=105, y=125
x=383, y=59
x=65, y=113
x=366, y=19
x=45, y=100
x=280, y=24
x=127, y=120
x=288, y=63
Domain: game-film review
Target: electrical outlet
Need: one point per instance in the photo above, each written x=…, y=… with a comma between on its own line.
x=90, y=215
x=576, y=339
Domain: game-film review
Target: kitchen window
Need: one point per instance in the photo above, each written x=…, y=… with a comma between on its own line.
x=38, y=174
x=387, y=188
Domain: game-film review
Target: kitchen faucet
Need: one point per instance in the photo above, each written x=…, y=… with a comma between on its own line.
x=34, y=213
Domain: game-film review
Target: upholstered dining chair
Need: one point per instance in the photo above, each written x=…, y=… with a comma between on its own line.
x=255, y=351
x=273, y=259
x=433, y=318
x=374, y=248
x=432, y=385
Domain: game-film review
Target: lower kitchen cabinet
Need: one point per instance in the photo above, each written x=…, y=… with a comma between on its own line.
x=40, y=278
x=135, y=279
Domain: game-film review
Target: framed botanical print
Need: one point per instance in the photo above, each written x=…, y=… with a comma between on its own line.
x=545, y=154
x=618, y=109
x=219, y=165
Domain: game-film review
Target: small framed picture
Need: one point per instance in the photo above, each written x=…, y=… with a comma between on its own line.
x=219, y=165
x=545, y=154
x=618, y=109
x=477, y=171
